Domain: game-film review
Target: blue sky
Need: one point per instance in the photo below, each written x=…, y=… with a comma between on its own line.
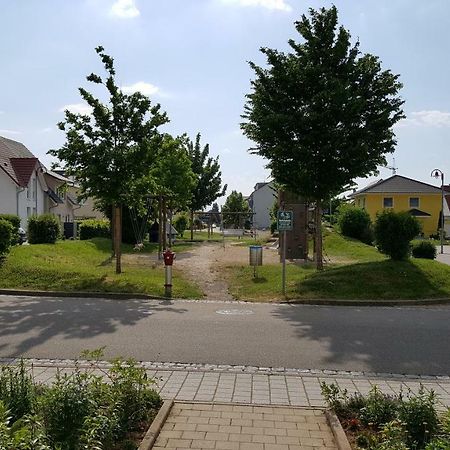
x=190, y=56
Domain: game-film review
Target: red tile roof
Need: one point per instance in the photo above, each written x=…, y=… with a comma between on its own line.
x=17, y=161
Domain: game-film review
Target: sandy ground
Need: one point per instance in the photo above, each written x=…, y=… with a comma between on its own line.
x=205, y=263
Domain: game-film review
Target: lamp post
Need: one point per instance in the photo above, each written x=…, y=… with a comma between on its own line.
x=437, y=173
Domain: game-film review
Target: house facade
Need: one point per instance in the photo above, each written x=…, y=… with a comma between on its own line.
x=22, y=184
x=400, y=193
x=261, y=201
x=61, y=199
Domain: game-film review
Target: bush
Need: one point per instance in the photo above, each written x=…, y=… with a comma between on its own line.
x=6, y=233
x=43, y=229
x=394, y=232
x=424, y=249
x=93, y=408
x=14, y=220
x=180, y=223
x=92, y=228
x=421, y=420
x=355, y=223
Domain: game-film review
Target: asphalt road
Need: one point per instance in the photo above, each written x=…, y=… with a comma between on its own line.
x=397, y=340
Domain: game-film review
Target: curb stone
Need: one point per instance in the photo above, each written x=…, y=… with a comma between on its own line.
x=312, y=302
x=193, y=367
x=338, y=432
x=156, y=426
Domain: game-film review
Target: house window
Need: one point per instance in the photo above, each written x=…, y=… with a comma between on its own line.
x=414, y=202
x=34, y=188
x=388, y=202
x=28, y=211
x=61, y=192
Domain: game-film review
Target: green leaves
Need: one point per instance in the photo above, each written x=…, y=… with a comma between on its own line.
x=112, y=150
x=322, y=114
x=207, y=172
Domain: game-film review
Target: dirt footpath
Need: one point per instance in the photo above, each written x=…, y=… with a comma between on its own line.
x=204, y=264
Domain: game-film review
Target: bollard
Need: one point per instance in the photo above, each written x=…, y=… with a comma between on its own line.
x=169, y=256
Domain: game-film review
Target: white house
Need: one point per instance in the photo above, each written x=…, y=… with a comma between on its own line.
x=261, y=201
x=22, y=184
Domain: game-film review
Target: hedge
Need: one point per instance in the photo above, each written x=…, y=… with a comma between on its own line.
x=43, y=229
x=355, y=223
x=92, y=228
x=6, y=233
x=14, y=220
x=424, y=249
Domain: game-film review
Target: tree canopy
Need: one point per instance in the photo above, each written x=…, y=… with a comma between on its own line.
x=207, y=171
x=322, y=114
x=111, y=150
x=235, y=203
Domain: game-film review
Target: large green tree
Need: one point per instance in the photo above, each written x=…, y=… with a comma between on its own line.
x=323, y=113
x=111, y=150
x=208, y=175
x=235, y=211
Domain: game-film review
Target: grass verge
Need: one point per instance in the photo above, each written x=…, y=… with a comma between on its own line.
x=85, y=266
x=366, y=275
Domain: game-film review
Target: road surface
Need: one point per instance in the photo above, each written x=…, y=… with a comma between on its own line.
x=396, y=340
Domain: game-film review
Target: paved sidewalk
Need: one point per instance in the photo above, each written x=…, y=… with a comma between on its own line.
x=232, y=427
x=260, y=386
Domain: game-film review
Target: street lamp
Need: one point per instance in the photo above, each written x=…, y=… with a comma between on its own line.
x=437, y=173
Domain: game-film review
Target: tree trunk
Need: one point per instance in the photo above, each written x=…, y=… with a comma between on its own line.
x=160, y=228
x=170, y=228
x=318, y=234
x=164, y=224
x=113, y=212
x=192, y=225
x=118, y=237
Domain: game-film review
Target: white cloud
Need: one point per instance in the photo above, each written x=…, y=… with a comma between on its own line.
x=432, y=118
x=46, y=130
x=12, y=132
x=125, y=9
x=279, y=5
x=77, y=108
x=142, y=87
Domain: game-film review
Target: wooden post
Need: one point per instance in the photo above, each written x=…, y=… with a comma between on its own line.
x=192, y=224
x=170, y=228
x=318, y=234
x=160, y=228
x=113, y=235
x=164, y=213
x=118, y=237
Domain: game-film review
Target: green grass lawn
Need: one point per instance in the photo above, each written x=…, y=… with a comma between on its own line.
x=363, y=274
x=85, y=266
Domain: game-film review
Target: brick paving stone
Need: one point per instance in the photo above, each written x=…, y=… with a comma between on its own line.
x=244, y=427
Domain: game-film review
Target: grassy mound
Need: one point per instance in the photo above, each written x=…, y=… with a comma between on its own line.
x=86, y=266
x=356, y=272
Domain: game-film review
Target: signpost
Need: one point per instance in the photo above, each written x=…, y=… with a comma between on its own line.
x=285, y=222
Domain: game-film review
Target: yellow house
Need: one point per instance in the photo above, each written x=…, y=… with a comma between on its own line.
x=400, y=193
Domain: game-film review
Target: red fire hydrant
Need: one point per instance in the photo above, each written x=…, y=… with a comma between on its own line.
x=168, y=256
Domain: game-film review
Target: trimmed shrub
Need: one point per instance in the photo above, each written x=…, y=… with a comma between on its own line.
x=180, y=223
x=43, y=229
x=394, y=232
x=424, y=249
x=92, y=228
x=355, y=223
x=6, y=235
x=14, y=220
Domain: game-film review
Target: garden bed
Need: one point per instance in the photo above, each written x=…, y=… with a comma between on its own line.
x=90, y=408
x=407, y=421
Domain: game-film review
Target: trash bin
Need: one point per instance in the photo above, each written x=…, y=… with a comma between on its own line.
x=256, y=255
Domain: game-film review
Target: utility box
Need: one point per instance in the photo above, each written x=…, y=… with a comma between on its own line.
x=70, y=230
x=297, y=238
